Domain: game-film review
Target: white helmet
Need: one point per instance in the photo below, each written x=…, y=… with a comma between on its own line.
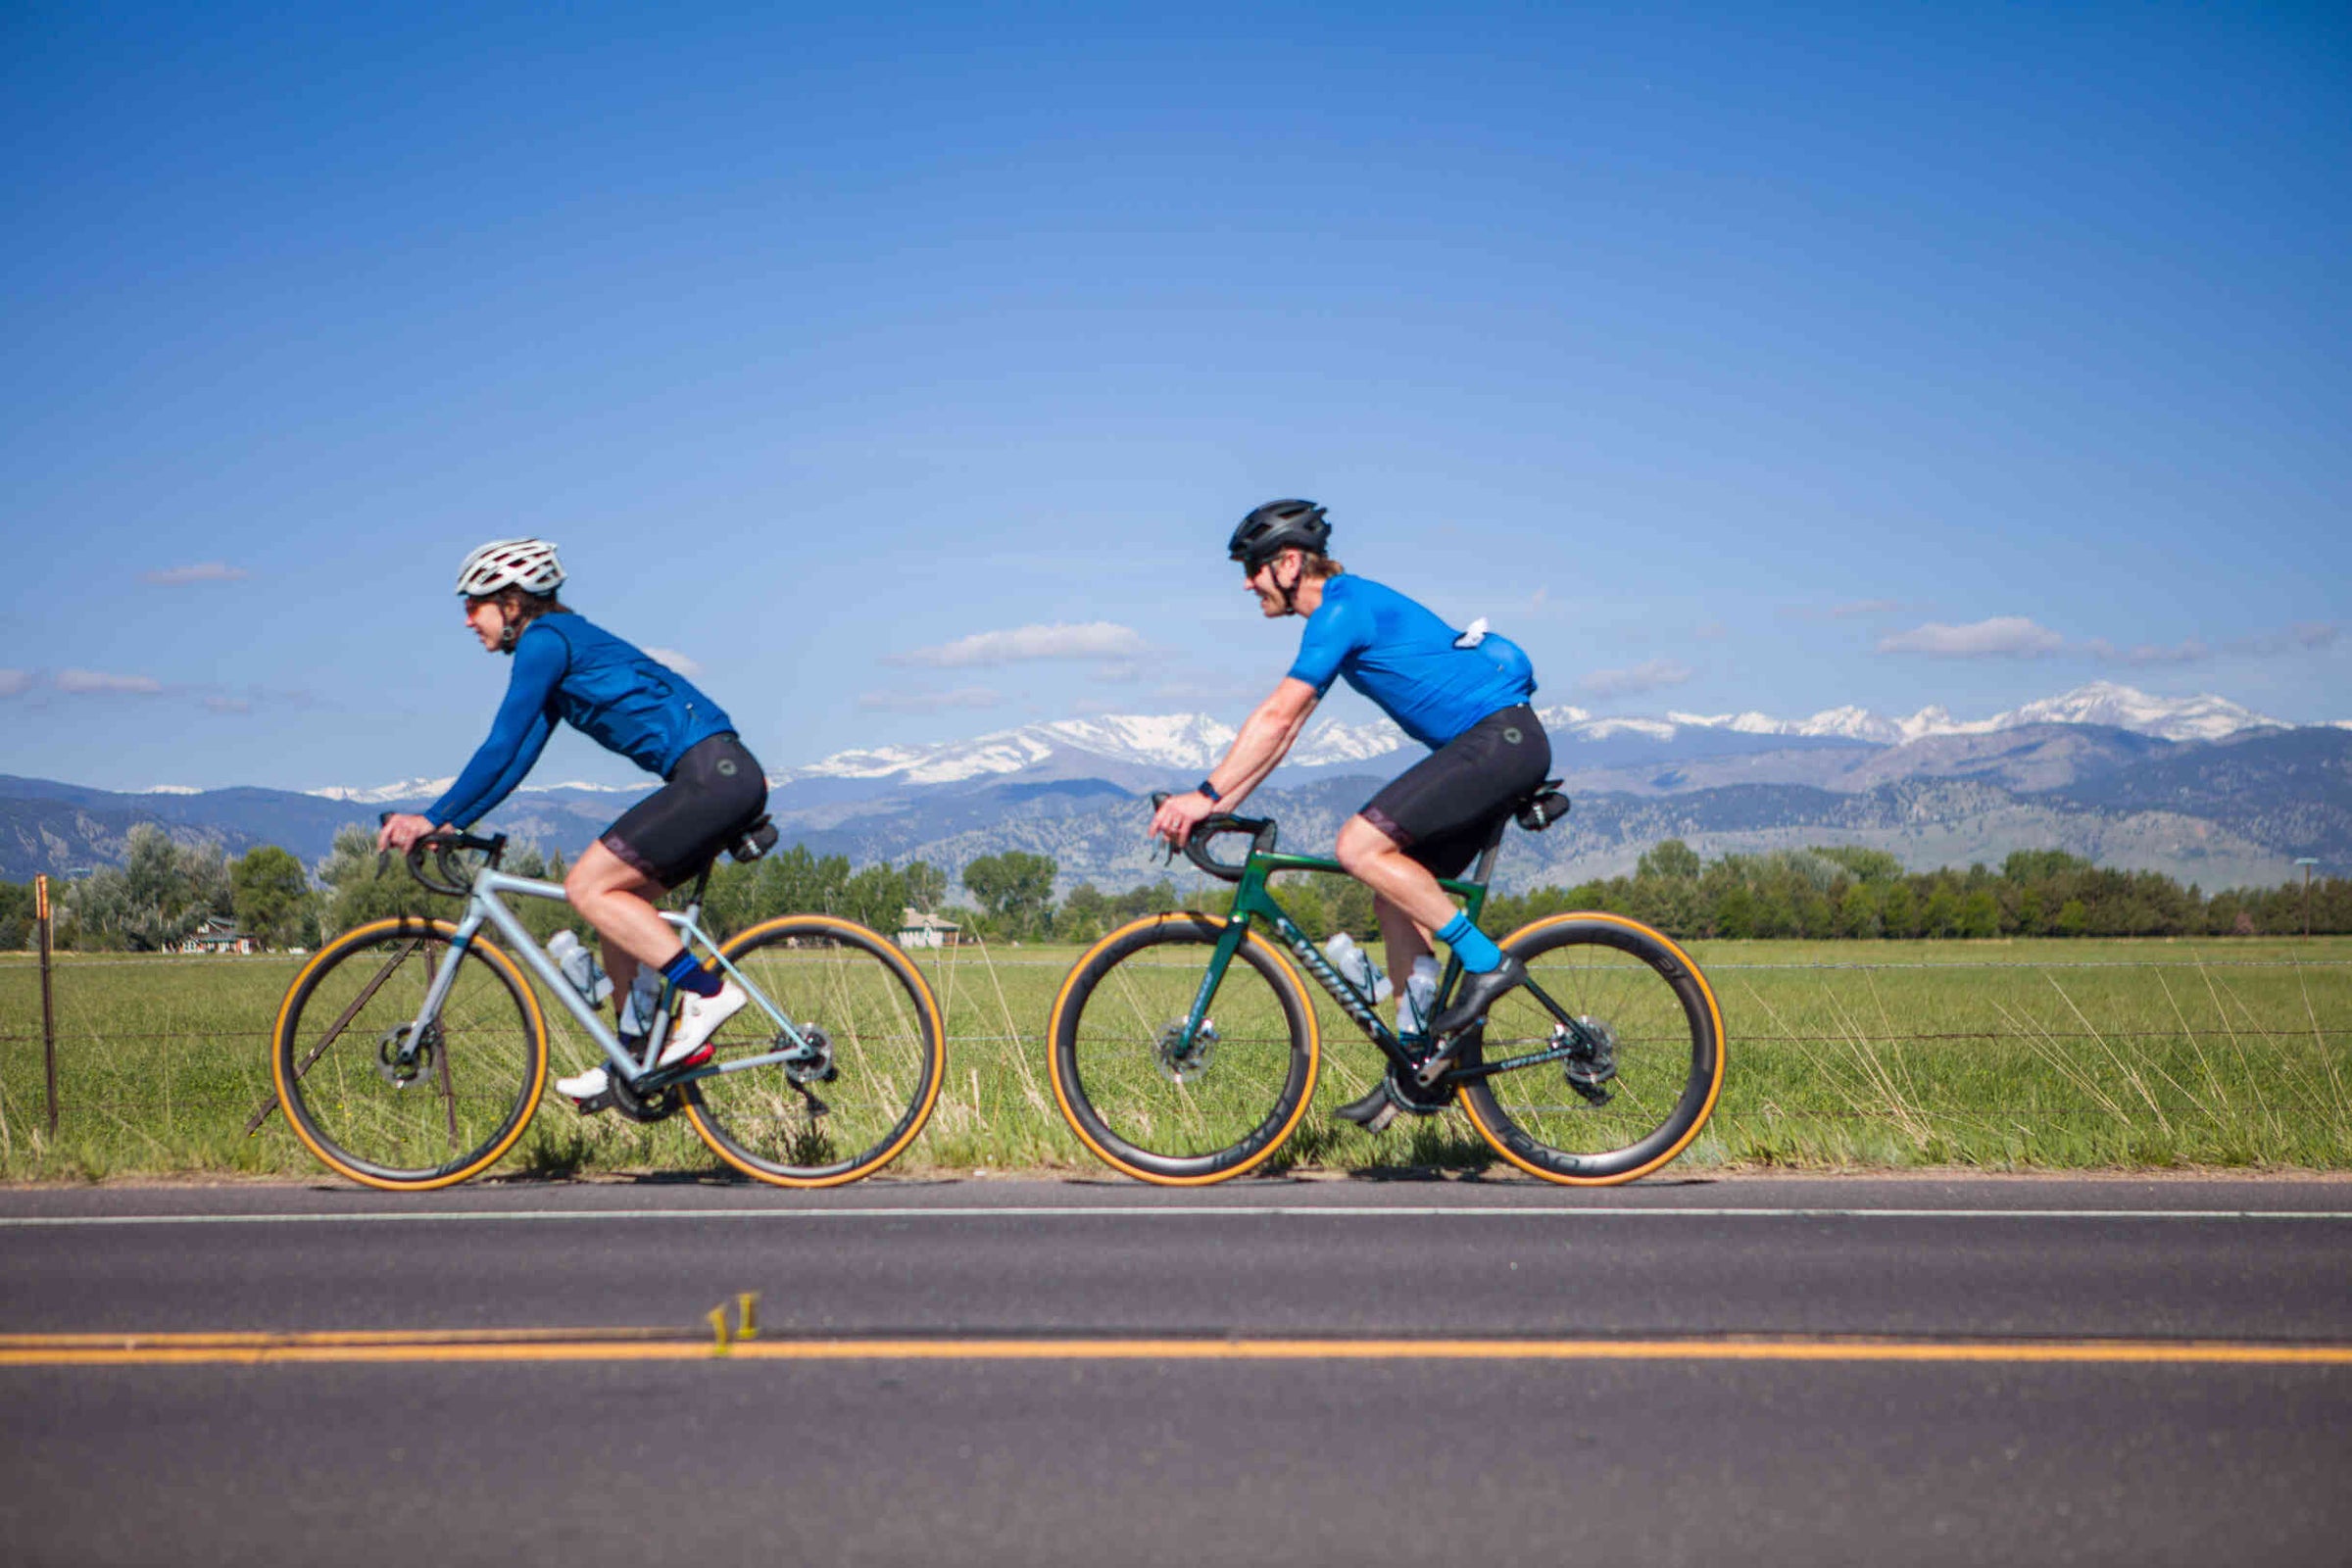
x=530, y=564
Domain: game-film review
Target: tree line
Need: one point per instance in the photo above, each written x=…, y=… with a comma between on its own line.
x=163, y=891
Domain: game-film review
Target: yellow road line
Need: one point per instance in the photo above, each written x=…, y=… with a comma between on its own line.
x=660, y=1344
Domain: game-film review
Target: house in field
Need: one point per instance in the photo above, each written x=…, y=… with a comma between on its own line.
x=217, y=934
x=919, y=930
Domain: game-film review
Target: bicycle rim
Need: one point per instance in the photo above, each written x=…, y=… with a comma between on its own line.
x=430, y=1116
x=878, y=1022
x=1636, y=990
x=1165, y=1110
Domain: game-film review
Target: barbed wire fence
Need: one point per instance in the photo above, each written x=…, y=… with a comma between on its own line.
x=2265, y=1061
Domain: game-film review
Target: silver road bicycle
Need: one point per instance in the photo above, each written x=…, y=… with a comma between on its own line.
x=411, y=1052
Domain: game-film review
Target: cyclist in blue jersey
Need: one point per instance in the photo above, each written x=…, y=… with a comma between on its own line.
x=1462, y=694
x=569, y=670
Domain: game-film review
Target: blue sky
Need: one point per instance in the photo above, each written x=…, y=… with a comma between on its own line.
x=1726, y=357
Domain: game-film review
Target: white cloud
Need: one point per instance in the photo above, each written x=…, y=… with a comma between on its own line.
x=1098, y=639
x=81, y=682
x=15, y=682
x=228, y=705
x=927, y=702
x=202, y=571
x=1648, y=676
x=2001, y=637
x=673, y=659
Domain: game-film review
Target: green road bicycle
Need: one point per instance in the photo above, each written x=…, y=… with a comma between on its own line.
x=1185, y=1047
x=411, y=1053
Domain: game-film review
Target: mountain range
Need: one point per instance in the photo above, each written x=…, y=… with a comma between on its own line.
x=2200, y=788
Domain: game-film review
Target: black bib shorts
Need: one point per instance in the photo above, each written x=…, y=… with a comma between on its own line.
x=712, y=794
x=1443, y=808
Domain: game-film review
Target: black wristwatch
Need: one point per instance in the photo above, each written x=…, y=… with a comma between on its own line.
x=1209, y=790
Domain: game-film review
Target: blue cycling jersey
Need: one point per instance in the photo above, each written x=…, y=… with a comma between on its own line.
x=1404, y=657
x=608, y=690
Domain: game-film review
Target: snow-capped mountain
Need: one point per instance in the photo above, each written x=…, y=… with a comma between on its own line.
x=426, y=789
x=1191, y=743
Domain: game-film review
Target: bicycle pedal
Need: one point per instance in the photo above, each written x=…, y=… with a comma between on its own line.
x=601, y=1101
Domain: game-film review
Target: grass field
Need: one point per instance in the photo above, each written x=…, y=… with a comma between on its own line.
x=1996, y=1054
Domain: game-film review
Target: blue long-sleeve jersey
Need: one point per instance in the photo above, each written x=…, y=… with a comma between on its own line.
x=608, y=690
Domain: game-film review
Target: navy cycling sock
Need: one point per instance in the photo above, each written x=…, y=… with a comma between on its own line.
x=687, y=976
x=1476, y=950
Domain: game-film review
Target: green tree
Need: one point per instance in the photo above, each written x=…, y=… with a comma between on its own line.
x=875, y=897
x=1941, y=916
x=16, y=915
x=926, y=886
x=159, y=893
x=1015, y=889
x=1898, y=910
x=2073, y=919
x=1084, y=914
x=1980, y=914
x=272, y=897
x=1858, y=912
x=1668, y=861
x=1866, y=865
x=362, y=887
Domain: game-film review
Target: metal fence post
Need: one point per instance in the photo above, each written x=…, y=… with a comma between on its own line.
x=41, y=915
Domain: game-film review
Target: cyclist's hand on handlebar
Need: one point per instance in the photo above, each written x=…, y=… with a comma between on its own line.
x=1179, y=814
x=400, y=830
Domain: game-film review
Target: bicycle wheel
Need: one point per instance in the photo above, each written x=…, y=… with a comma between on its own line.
x=884, y=1054
x=1159, y=1109
x=1627, y=1108
x=389, y=1113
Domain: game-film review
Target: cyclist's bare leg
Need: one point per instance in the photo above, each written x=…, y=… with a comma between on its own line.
x=1405, y=895
x=617, y=899
x=1406, y=938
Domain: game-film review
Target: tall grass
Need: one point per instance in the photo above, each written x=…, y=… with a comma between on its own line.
x=2009, y=1056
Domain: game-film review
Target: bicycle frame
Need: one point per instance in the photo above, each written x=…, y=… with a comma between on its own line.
x=1255, y=902
x=484, y=908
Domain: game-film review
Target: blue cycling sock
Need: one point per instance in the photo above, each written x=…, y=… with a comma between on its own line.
x=1476, y=950
x=687, y=976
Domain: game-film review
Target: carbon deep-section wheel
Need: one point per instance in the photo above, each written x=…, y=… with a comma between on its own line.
x=1164, y=1105
x=384, y=1102
x=869, y=1057
x=1645, y=1063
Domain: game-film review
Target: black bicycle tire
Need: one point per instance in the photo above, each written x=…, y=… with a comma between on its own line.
x=1692, y=1105
x=710, y=1122
x=1151, y=1166
x=289, y=1074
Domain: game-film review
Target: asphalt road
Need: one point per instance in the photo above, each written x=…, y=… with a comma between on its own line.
x=1752, y=1370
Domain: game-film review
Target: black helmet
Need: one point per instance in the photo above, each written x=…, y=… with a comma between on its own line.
x=1275, y=527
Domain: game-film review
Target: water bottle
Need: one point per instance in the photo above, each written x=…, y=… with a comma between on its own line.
x=1420, y=999
x=643, y=1003
x=580, y=966
x=1356, y=966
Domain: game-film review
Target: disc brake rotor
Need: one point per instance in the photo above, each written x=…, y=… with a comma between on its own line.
x=403, y=1064
x=1181, y=1060
x=1592, y=1060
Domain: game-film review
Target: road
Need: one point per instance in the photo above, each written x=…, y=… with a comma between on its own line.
x=1761, y=1370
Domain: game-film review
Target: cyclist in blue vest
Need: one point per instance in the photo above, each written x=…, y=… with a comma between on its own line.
x=1463, y=695
x=567, y=670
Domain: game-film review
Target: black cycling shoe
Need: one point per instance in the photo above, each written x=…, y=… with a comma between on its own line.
x=1453, y=1026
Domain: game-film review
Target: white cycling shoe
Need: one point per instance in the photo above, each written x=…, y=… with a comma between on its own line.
x=699, y=1018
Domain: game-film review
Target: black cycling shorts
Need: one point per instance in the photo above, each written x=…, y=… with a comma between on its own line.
x=1442, y=810
x=712, y=794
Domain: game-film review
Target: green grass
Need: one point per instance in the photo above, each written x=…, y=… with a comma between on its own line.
x=2006, y=1055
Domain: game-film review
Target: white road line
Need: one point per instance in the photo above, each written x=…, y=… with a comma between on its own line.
x=1158, y=1211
